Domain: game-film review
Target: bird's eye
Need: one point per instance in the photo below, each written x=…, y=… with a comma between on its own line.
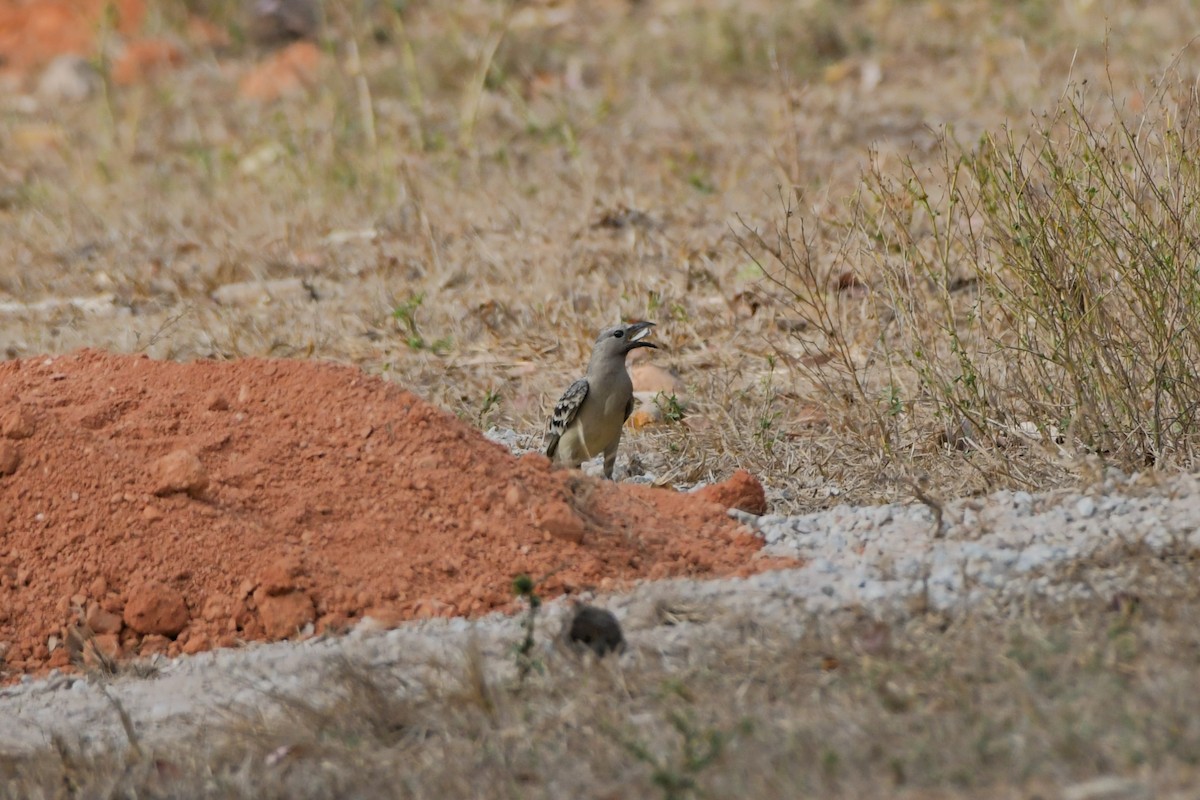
x=619, y=334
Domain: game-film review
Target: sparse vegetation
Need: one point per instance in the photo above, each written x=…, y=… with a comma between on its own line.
x=1021, y=300
x=527, y=662
x=669, y=405
x=677, y=774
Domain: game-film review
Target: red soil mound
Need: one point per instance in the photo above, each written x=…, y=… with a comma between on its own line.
x=149, y=506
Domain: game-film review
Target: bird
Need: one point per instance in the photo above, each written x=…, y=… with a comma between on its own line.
x=588, y=418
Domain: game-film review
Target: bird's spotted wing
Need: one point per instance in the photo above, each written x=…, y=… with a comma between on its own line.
x=564, y=413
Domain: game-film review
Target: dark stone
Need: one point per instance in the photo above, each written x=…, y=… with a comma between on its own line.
x=596, y=629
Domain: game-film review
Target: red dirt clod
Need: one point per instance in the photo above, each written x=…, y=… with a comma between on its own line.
x=215, y=401
x=107, y=644
x=557, y=519
x=140, y=59
x=290, y=71
x=179, y=471
x=281, y=577
x=154, y=607
x=16, y=423
x=399, y=510
x=102, y=621
x=155, y=643
x=283, y=615
x=10, y=458
x=741, y=491
x=196, y=644
x=98, y=587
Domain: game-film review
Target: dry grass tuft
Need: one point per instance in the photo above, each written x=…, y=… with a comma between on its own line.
x=1019, y=309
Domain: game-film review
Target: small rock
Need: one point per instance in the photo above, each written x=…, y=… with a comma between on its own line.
x=215, y=401
x=596, y=629
x=216, y=607
x=180, y=471
x=68, y=78
x=275, y=21
x=10, y=458
x=106, y=644
x=281, y=577
x=261, y=293
x=102, y=621
x=514, y=496
x=290, y=71
x=1086, y=507
x=1107, y=788
x=99, y=587
x=741, y=491
x=156, y=644
x=16, y=423
x=197, y=644
x=283, y=615
x=644, y=415
x=557, y=519
x=154, y=607
x=385, y=616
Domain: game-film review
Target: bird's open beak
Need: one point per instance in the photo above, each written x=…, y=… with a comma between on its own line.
x=637, y=333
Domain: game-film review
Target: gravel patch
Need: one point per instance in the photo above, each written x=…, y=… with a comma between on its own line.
x=887, y=560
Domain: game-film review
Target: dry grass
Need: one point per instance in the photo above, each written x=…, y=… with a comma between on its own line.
x=1026, y=301
x=999, y=703
x=509, y=178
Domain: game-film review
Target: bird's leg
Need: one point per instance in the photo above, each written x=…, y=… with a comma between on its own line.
x=610, y=457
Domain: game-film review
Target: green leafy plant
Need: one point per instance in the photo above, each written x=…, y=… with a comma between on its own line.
x=669, y=405
x=406, y=315
x=523, y=587
x=491, y=401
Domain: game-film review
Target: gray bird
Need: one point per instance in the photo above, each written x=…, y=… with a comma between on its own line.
x=588, y=418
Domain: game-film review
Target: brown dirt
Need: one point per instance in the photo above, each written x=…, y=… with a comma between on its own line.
x=32, y=32
x=271, y=494
x=742, y=491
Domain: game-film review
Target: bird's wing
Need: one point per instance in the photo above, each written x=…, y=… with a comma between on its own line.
x=564, y=413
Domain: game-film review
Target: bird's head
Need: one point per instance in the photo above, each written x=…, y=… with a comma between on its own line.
x=620, y=339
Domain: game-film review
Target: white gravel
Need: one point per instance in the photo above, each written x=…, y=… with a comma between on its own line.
x=883, y=559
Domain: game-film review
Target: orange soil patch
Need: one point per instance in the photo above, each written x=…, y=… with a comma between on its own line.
x=290, y=71
x=154, y=506
x=32, y=32
x=141, y=59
